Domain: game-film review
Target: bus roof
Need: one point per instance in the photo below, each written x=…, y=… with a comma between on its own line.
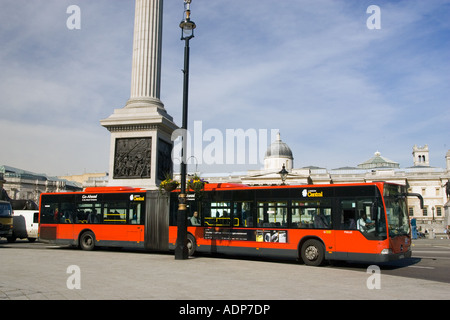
x=225, y=186
x=111, y=189
x=228, y=186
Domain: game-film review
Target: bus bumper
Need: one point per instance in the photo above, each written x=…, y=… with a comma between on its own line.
x=388, y=255
x=384, y=256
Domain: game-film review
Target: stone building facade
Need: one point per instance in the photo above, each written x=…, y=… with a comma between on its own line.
x=25, y=185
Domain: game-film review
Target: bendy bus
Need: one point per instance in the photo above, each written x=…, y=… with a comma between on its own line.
x=313, y=223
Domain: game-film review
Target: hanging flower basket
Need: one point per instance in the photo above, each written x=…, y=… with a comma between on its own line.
x=168, y=185
x=196, y=185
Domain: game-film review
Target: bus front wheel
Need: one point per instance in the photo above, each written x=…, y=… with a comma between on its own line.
x=312, y=252
x=87, y=241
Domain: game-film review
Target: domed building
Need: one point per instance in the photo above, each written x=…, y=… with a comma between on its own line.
x=278, y=154
x=377, y=161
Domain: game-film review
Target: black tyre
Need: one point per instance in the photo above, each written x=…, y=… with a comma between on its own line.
x=87, y=241
x=191, y=244
x=312, y=252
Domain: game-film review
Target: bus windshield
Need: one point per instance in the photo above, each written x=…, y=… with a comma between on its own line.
x=396, y=211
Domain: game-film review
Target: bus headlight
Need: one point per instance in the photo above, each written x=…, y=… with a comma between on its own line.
x=386, y=251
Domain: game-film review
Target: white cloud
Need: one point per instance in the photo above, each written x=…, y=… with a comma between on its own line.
x=337, y=90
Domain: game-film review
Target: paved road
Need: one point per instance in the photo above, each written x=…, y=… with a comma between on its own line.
x=55, y=273
x=430, y=261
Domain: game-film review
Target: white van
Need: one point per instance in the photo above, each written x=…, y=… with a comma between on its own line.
x=25, y=225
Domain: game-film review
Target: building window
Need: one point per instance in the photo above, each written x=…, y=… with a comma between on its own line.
x=411, y=211
x=439, y=211
x=425, y=211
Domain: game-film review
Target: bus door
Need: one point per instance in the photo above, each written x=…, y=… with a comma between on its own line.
x=360, y=221
x=136, y=217
x=114, y=222
x=64, y=216
x=353, y=226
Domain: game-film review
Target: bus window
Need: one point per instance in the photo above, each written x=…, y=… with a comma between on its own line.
x=94, y=216
x=50, y=213
x=194, y=213
x=58, y=209
x=115, y=212
x=87, y=213
x=311, y=215
x=67, y=212
x=217, y=214
x=272, y=214
x=295, y=217
x=136, y=214
x=243, y=214
x=364, y=215
x=348, y=215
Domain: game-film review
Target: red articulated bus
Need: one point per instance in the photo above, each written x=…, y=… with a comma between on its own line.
x=313, y=223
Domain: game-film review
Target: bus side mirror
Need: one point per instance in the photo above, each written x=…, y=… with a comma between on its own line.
x=418, y=196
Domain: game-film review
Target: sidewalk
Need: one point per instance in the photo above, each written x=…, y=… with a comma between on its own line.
x=47, y=274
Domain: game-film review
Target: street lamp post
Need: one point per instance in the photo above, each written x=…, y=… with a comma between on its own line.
x=187, y=33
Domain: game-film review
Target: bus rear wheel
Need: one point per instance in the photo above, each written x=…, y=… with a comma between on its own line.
x=191, y=244
x=87, y=241
x=312, y=252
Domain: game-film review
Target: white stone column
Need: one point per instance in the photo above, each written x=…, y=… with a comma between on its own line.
x=141, y=131
x=146, y=68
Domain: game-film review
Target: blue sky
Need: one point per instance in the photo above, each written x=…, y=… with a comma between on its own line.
x=337, y=90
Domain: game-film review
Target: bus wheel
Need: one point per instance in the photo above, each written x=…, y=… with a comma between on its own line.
x=87, y=241
x=191, y=244
x=312, y=252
